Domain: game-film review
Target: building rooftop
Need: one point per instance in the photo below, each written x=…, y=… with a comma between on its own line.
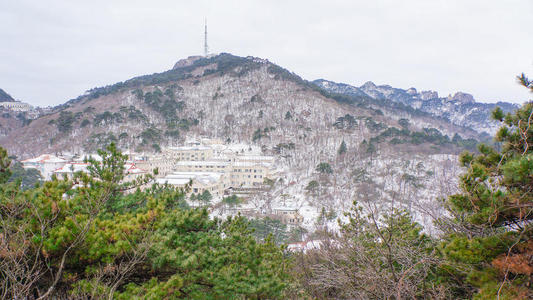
x=248, y=164
x=255, y=157
x=45, y=158
x=132, y=169
x=83, y=157
x=72, y=168
x=202, y=162
x=189, y=148
x=172, y=181
x=181, y=178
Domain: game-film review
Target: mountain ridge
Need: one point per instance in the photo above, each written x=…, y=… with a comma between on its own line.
x=66, y=120
x=5, y=97
x=460, y=109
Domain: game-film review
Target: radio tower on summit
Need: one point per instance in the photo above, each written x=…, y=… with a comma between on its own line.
x=206, y=49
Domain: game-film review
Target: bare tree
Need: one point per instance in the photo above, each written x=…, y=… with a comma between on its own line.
x=376, y=256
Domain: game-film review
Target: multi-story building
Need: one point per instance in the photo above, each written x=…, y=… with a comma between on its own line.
x=16, y=106
x=163, y=164
x=248, y=174
x=189, y=153
x=45, y=163
x=288, y=215
x=196, y=182
x=240, y=171
x=69, y=169
x=259, y=159
x=131, y=171
x=203, y=166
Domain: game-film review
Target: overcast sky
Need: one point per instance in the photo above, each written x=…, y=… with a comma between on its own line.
x=52, y=51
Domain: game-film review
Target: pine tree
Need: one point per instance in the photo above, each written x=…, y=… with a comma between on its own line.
x=288, y=116
x=205, y=197
x=489, y=245
x=86, y=238
x=5, y=162
x=324, y=168
x=342, y=148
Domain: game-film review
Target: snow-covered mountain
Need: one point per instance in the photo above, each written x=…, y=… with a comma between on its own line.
x=394, y=154
x=5, y=97
x=460, y=109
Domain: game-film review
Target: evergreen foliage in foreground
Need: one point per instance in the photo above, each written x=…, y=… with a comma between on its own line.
x=489, y=246
x=87, y=238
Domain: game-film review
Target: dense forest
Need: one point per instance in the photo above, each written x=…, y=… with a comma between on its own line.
x=95, y=236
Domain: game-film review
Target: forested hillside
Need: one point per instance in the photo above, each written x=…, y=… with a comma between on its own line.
x=5, y=97
x=87, y=237
x=394, y=153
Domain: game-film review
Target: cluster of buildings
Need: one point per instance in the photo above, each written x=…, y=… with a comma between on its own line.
x=30, y=111
x=16, y=106
x=206, y=165
x=215, y=167
x=66, y=166
x=198, y=166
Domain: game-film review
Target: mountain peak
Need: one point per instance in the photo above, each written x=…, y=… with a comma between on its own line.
x=185, y=62
x=462, y=97
x=368, y=85
x=428, y=95
x=5, y=97
x=411, y=91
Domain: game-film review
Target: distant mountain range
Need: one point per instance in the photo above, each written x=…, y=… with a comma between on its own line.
x=460, y=109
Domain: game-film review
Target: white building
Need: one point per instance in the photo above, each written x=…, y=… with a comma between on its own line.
x=84, y=157
x=194, y=153
x=16, y=106
x=197, y=181
x=288, y=215
x=45, y=163
x=164, y=165
x=132, y=172
x=69, y=169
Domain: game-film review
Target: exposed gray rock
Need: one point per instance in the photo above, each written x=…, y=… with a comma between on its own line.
x=368, y=85
x=427, y=95
x=186, y=61
x=459, y=109
x=462, y=97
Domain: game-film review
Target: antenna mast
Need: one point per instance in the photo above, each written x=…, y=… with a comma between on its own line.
x=206, y=49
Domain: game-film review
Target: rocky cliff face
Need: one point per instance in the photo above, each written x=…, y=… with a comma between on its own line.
x=186, y=62
x=460, y=109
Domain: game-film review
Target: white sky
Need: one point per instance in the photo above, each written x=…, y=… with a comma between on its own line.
x=52, y=51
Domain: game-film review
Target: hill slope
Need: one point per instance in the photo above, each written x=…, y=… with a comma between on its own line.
x=393, y=152
x=221, y=96
x=5, y=97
